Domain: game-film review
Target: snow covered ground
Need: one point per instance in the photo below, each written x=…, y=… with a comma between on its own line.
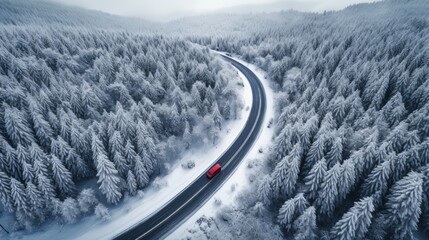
x=240, y=179
x=156, y=195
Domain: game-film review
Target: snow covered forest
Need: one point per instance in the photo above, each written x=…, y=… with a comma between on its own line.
x=90, y=114
x=95, y=106
x=350, y=157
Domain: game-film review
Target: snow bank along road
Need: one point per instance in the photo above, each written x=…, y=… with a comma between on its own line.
x=198, y=192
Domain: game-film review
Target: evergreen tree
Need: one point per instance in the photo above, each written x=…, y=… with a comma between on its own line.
x=19, y=197
x=43, y=130
x=226, y=111
x=335, y=153
x=314, y=179
x=315, y=153
x=141, y=173
x=403, y=206
x=377, y=180
x=394, y=110
x=131, y=183
x=264, y=191
x=217, y=117
x=293, y=169
x=347, y=179
x=62, y=177
x=291, y=209
x=108, y=178
x=70, y=210
x=130, y=154
x=45, y=186
x=27, y=172
x=187, y=137
x=328, y=193
x=5, y=194
x=86, y=200
x=40, y=160
x=17, y=127
x=35, y=200
x=102, y=212
x=355, y=223
x=305, y=225
x=282, y=146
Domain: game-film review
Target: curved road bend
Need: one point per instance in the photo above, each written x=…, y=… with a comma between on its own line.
x=196, y=194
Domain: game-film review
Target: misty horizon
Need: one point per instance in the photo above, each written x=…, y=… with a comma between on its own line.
x=160, y=11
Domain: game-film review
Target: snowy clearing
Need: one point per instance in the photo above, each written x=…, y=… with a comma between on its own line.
x=240, y=179
x=157, y=194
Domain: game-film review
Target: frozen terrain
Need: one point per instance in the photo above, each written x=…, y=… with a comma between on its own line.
x=157, y=194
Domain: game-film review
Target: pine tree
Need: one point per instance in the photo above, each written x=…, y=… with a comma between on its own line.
x=279, y=177
x=346, y=180
x=130, y=154
x=42, y=129
x=70, y=210
x=314, y=179
x=22, y=154
x=315, y=153
x=187, y=136
x=108, y=178
x=396, y=138
x=19, y=197
x=282, y=145
x=35, y=200
x=97, y=148
x=217, y=117
x=76, y=164
x=226, y=111
x=305, y=225
x=62, y=177
x=259, y=209
x=131, y=183
x=102, y=212
x=196, y=99
x=40, y=160
x=355, y=223
x=13, y=165
x=65, y=125
x=141, y=134
x=366, y=160
x=264, y=191
x=45, y=186
x=86, y=200
x=328, y=193
x=291, y=209
x=425, y=197
x=141, y=173
x=148, y=162
x=27, y=172
x=403, y=206
x=17, y=127
x=77, y=140
x=377, y=180
x=335, y=153
x=116, y=143
x=293, y=170
x=5, y=192
x=394, y=110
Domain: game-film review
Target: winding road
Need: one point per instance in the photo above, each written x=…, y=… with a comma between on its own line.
x=197, y=193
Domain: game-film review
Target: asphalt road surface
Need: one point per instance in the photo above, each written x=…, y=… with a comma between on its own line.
x=197, y=193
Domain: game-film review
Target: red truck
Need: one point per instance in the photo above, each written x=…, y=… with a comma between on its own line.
x=214, y=170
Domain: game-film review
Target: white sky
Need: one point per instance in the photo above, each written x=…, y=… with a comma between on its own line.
x=163, y=10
